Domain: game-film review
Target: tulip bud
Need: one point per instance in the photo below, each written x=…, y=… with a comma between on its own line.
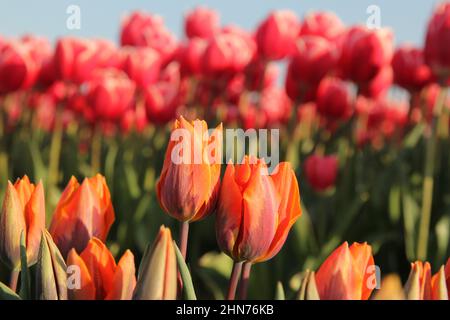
x=157, y=277
x=308, y=288
x=189, y=183
x=51, y=276
x=439, y=290
x=333, y=99
x=323, y=24
x=410, y=70
x=418, y=286
x=345, y=274
x=142, y=65
x=390, y=289
x=23, y=210
x=256, y=210
x=83, y=212
x=97, y=277
x=321, y=172
x=201, y=22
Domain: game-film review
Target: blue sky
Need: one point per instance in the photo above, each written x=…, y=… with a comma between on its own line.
x=101, y=18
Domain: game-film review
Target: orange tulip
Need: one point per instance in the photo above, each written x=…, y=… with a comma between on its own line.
x=23, y=211
x=422, y=286
x=189, y=183
x=346, y=274
x=256, y=210
x=83, y=212
x=99, y=276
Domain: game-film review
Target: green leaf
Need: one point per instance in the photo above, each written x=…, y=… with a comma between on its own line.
x=24, y=273
x=395, y=203
x=279, y=293
x=411, y=212
x=414, y=136
x=7, y=294
x=188, y=286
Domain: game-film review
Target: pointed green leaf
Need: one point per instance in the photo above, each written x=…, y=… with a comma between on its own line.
x=24, y=273
x=7, y=294
x=188, y=286
x=279, y=293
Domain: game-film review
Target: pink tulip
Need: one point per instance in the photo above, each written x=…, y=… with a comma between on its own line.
x=202, y=23
x=323, y=24
x=321, y=171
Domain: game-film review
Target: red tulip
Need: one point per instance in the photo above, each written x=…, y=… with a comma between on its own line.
x=314, y=58
x=190, y=56
x=260, y=75
x=333, y=99
x=188, y=186
x=378, y=86
x=321, y=172
x=110, y=94
x=437, y=48
x=256, y=210
x=274, y=106
x=364, y=53
x=323, y=24
x=142, y=66
x=83, y=212
x=346, y=273
x=23, y=211
x=18, y=69
x=276, y=35
x=145, y=30
x=202, y=23
x=410, y=70
x=100, y=277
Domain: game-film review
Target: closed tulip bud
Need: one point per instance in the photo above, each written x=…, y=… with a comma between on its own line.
x=437, y=42
x=157, y=278
x=202, y=23
x=18, y=69
x=96, y=276
x=51, y=276
x=390, y=289
x=379, y=85
x=439, y=290
x=410, y=70
x=83, y=212
x=347, y=273
x=334, y=101
x=276, y=35
x=256, y=210
x=190, y=55
x=308, y=287
x=365, y=52
x=23, y=211
x=321, y=172
x=418, y=286
x=323, y=24
x=142, y=66
x=189, y=183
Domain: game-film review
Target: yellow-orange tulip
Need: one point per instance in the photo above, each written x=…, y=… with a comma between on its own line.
x=83, y=212
x=188, y=186
x=23, y=211
x=256, y=210
x=422, y=286
x=99, y=276
x=157, y=279
x=346, y=273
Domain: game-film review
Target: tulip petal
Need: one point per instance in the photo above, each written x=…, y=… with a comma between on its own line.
x=439, y=286
x=35, y=220
x=124, y=280
x=86, y=291
x=362, y=257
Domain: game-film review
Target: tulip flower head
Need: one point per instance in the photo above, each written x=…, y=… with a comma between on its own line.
x=321, y=172
x=96, y=276
x=202, y=23
x=23, y=211
x=189, y=183
x=256, y=210
x=83, y=212
x=347, y=273
x=421, y=285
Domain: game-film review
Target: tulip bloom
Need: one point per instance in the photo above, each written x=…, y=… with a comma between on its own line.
x=189, y=183
x=422, y=286
x=321, y=172
x=142, y=65
x=157, y=279
x=83, y=212
x=256, y=210
x=333, y=99
x=100, y=278
x=437, y=42
x=276, y=35
x=410, y=70
x=23, y=211
x=346, y=274
x=202, y=23
x=323, y=24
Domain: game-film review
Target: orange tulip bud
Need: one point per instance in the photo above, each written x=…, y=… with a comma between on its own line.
x=157, y=278
x=418, y=286
x=256, y=210
x=188, y=186
x=346, y=274
x=83, y=212
x=96, y=275
x=23, y=210
x=439, y=290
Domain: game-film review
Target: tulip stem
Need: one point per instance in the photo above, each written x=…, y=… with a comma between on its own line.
x=234, y=279
x=96, y=151
x=14, y=279
x=428, y=179
x=55, y=151
x=243, y=287
x=184, y=232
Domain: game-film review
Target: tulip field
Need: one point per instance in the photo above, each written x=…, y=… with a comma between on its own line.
x=304, y=159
